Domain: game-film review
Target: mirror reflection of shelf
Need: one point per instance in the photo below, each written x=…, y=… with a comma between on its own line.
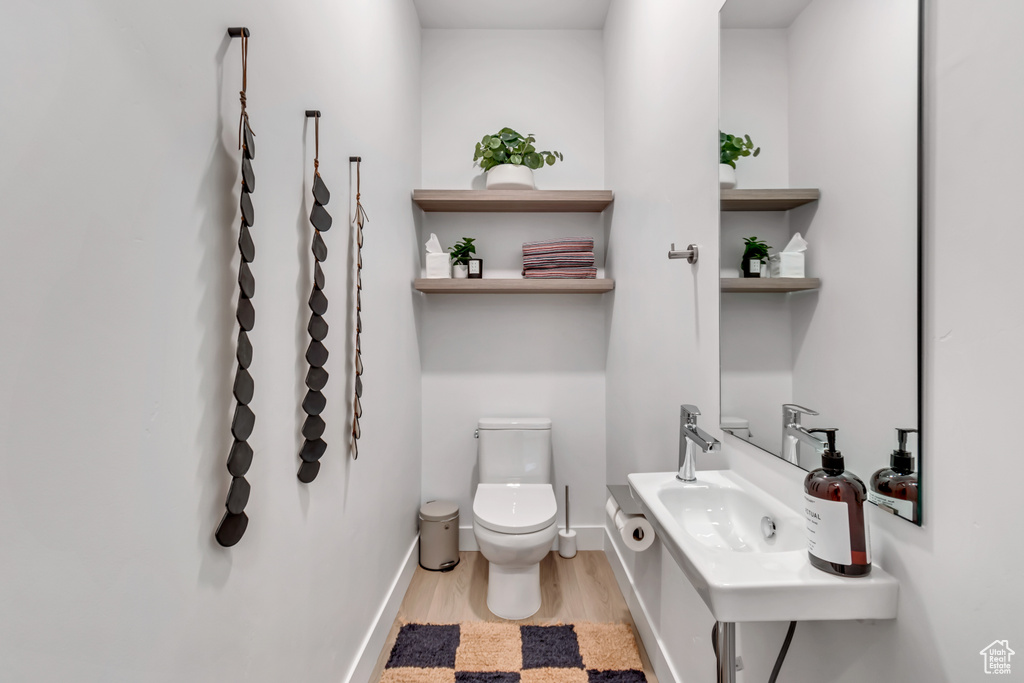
x=519, y=201
x=512, y=286
x=782, y=199
x=754, y=285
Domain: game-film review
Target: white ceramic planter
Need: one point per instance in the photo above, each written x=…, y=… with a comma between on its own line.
x=510, y=177
x=726, y=177
x=460, y=270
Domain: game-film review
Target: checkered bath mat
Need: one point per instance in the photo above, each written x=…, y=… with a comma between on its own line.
x=487, y=652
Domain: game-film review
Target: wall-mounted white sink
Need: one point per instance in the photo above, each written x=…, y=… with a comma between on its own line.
x=713, y=529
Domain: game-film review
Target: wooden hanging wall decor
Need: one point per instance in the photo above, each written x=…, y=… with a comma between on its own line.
x=359, y=220
x=232, y=526
x=313, y=405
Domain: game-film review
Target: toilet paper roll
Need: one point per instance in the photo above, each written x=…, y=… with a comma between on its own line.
x=636, y=532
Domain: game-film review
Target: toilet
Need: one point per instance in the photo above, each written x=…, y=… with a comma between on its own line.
x=514, y=510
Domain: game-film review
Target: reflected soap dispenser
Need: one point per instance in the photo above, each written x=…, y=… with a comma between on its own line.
x=894, y=488
x=837, y=530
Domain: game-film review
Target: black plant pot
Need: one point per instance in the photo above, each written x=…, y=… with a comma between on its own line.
x=753, y=267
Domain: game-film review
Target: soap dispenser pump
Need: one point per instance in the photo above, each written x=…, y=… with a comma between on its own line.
x=837, y=530
x=894, y=488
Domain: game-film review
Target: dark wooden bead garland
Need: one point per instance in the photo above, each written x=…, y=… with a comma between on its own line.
x=359, y=220
x=234, y=522
x=314, y=447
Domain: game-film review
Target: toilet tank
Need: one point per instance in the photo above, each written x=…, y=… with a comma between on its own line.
x=514, y=450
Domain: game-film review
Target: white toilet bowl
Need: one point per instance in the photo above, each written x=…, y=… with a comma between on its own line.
x=514, y=525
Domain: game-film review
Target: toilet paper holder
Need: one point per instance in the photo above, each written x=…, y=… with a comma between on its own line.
x=627, y=517
x=624, y=499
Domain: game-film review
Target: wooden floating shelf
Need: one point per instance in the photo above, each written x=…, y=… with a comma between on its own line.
x=536, y=201
x=768, y=200
x=512, y=286
x=754, y=285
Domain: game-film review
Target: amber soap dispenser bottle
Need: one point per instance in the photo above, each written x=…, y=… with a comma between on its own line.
x=837, y=530
x=894, y=488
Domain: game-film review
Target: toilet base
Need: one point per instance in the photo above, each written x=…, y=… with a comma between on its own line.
x=513, y=592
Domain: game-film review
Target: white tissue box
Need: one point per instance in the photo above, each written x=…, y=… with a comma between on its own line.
x=439, y=265
x=786, y=264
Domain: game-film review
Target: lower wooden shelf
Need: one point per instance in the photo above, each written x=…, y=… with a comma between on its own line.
x=754, y=285
x=512, y=286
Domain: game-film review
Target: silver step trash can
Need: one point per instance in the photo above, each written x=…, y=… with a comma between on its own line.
x=439, y=535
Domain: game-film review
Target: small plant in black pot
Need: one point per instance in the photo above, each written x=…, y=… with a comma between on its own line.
x=461, y=253
x=755, y=253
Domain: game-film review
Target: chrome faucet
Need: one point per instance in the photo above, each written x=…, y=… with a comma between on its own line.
x=690, y=437
x=793, y=433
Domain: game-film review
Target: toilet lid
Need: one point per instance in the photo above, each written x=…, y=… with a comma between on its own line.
x=514, y=508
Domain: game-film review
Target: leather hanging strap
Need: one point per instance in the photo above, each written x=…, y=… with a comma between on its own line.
x=361, y=216
x=316, y=154
x=243, y=118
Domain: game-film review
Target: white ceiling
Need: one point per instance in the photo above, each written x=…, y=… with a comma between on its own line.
x=515, y=14
x=761, y=13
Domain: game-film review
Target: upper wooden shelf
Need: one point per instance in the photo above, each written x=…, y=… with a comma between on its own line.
x=768, y=200
x=756, y=285
x=512, y=286
x=537, y=201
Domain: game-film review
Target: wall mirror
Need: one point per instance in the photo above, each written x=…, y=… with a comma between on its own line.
x=829, y=90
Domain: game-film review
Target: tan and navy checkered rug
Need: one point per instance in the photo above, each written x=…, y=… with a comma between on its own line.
x=488, y=652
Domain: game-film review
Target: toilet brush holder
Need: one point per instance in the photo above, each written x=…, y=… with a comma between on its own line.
x=567, y=543
x=567, y=536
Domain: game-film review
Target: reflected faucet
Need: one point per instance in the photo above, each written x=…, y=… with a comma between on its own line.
x=793, y=433
x=690, y=437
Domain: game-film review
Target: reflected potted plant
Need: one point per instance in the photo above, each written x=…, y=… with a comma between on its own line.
x=460, y=254
x=733, y=147
x=510, y=160
x=755, y=253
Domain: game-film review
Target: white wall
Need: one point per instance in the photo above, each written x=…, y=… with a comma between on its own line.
x=508, y=355
x=549, y=83
x=661, y=75
x=117, y=291
x=958, y=573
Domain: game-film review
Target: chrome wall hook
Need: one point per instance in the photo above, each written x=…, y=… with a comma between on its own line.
x=690, y=254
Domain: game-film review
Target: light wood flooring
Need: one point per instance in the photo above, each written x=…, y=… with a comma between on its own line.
x=580, y=589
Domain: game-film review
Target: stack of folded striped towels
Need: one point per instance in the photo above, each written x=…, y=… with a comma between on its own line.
x=568, y=257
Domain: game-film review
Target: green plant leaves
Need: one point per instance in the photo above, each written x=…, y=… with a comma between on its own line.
x=509, y=147
x=755, y=248
x=462, y=250
x=734, y=146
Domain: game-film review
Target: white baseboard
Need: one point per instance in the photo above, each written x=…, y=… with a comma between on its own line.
x=641, y=617
x=587, y=538
x=377, y=636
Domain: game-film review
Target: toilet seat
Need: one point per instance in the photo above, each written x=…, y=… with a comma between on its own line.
x=514, y=508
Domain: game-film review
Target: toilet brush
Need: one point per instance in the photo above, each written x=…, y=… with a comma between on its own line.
x=567, y=537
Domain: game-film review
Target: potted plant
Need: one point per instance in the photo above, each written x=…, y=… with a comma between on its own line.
x=461, y=253
x=755, y=253
x=510, y=160
x=733, y=147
